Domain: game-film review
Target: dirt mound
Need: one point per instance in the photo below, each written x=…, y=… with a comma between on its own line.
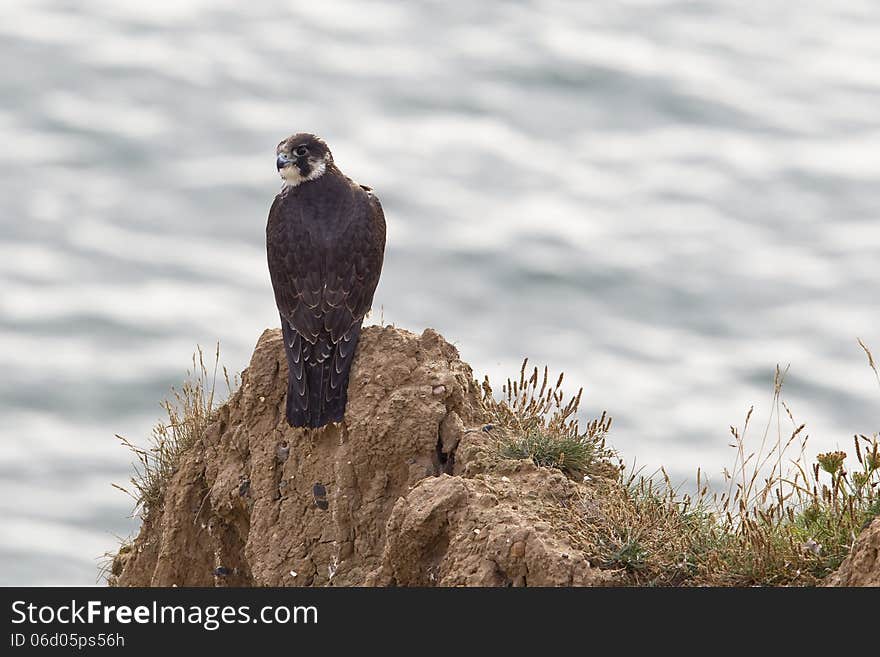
x=401, y=493
x=862, y=566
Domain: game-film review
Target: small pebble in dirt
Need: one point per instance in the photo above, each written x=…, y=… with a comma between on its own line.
x=282, y=451
x=221, y=571
x=488, y=427
x=439, y=390
x=320, y=495
x=244, y=487
x=293, y=573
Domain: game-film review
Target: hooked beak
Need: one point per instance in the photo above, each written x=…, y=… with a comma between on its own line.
x=282, y=161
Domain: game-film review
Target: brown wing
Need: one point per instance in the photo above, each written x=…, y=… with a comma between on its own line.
x=325, y=257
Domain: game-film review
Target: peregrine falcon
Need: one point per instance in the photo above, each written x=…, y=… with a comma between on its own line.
x=325, y=241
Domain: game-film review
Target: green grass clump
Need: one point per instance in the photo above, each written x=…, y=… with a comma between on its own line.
x=571, y=454
x=189, y=411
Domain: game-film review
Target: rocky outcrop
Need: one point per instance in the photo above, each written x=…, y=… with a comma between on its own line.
x=489, y=530
x=404, y=492
x=862, y=566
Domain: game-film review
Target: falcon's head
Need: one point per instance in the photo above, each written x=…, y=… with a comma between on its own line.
x=302, y=157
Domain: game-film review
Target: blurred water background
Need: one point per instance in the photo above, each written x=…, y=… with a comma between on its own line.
x=664, y=199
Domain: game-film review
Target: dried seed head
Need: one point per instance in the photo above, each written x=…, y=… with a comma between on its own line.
x=831, y=462
x=872, y=459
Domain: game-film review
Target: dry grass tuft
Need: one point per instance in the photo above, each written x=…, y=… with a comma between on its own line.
x=110, y=563
x=871, y=362
x=538, y=424
x=189, y=411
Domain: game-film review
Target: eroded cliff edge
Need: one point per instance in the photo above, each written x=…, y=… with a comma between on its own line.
x=403, y=492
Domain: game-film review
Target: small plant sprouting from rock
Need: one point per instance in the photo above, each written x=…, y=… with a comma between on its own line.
x=189, y=412
x=538, y=424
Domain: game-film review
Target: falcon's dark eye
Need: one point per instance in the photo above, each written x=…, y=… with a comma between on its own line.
x=300, y=151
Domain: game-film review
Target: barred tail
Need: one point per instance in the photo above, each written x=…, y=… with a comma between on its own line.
x=317, y=380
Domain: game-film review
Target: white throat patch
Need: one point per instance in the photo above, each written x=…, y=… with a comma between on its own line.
x=291, y=177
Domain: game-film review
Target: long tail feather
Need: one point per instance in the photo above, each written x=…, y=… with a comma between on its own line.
x=317, y=383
